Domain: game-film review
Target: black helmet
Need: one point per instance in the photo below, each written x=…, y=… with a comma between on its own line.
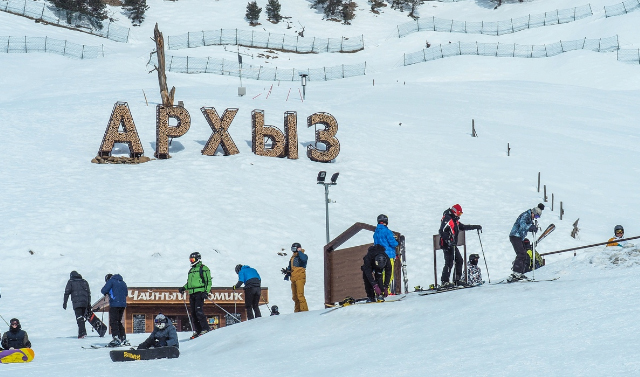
x=196, y=257
x=383, y=219
x=295, y=246
x=473, y=259
x=274, y=309
x=107, y=277
x=381, y=261
x=618, y=228
x=238, y=267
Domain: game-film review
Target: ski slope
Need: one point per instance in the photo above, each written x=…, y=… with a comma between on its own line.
x=406, y=151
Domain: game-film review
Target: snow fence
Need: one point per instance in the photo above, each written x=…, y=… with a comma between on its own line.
x=265, y=40
x=50, y=45
x=61, y=17
x=629, y=55
x=559, y=16
x=187, y=64
x=621, y=8
x=511, y=49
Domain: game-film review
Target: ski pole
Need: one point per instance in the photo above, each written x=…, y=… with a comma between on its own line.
x=265, y=301
x=533, y=255
x=483, y=257
x=188, y=315
x=5, y=321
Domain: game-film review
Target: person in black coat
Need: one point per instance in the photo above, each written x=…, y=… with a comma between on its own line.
x=15, y=338
x=78, y=289
x=450, y=227
x=375, y=262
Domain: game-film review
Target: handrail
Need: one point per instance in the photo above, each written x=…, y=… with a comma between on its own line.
x=584, y=247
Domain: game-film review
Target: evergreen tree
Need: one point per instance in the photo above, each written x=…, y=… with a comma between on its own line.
x=347, y=11
x=253, y=12
x=97, y=10
x=273, y=10
x=136, y=10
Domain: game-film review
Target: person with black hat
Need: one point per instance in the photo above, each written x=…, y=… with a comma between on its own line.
x=473, y=276
x=252, y=291
x=297, y=272
x=376, y=262
x=525, y=223
x=450, y=227
x=78, y=289
x=164, y=334
x=198, y=286
x=384, y=236
x=16, y=337
x=117, y=290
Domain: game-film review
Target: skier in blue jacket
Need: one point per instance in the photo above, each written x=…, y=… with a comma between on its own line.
x=117, y=290
x=252, y=291
x=523, y=225
x=384, y=237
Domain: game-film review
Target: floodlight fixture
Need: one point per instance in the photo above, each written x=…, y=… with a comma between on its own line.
x=321, y=181
x=321, y=176
x=334, y=177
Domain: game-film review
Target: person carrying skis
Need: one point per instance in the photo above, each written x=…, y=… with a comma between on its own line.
x=376, y=262
x=15, y=338
x=117, y=290
x=450, y=227
x=473, y=276
x=164, y=334
x=297, y=272
x=524, y=223
x=252, y=292
x=618, y=235
x=78, y=289
x=198, y=286
x=383, y=236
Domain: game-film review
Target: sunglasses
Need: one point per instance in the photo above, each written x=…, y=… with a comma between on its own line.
x=14, y=323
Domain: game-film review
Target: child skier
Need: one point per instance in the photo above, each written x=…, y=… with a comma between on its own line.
x=375, y=263
x=474, y=274
x=163, y=335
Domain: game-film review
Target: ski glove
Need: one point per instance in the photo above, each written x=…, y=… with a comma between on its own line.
x=386, y=290
x=376, y=289
x=181, y=290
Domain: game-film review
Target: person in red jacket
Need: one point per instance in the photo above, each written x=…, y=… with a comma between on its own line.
x=450, y=227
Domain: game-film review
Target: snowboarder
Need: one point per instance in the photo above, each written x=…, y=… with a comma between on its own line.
x=164, y=334
x=383, y=236
x=474, y=274
x=274, y=310
x=450, y=227
x=252, y=292
x=297, y=272
x=198, y=285
x=376, y=261
x=78, y=289
x=16, y=337
x=524, y=224
x=618, y=235
x=117, y=290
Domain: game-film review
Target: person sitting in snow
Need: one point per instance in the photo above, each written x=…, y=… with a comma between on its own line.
x=375, y=263
x=164, y=334
x=15, y=338
x=619, y=234
x=473, y=277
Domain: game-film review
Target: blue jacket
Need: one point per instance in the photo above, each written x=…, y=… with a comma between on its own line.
x=383, y=236
x=249, y=277
x=523, y=225
x=117, y=290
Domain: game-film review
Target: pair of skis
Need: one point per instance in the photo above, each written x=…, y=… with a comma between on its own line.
x=363, y=301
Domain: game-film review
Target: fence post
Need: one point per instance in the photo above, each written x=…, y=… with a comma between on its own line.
x=451, y=27
x=599, y=41
x=552, y=201
x=188, y=40
x=343, y=71
x=574, y=13
x=625, y=8
x=529, y=22
x=237, y=38
x=64, y=51
x=538, y=181
x=24, y=10
x=171, y=63
x=42, y=14
x=45, y=44
x=325, y=73
x=102, y=50
x=434, y=22
x=561, y=46
x=508, y=150
x=545, y=194
x=441, y=53
x=404, y=58
x=220, y=36
x=512, y=31
x=481, y=27
x=128, y=31
x=8, y=39
x=187, y=64
x=207, y=66
x=544, y=22
x=497, y=48
x=313, y=44
x=203, y=42
x=108, y=28
x=82, y=56
x=558, y=16
x=561, y=211
x=545, y=51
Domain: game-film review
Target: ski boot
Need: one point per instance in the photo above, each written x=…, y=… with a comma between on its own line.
x=114, y=343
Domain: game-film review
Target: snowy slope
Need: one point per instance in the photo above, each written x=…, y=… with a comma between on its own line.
x=406, y=152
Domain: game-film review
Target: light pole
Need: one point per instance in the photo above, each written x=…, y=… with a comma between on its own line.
x=334, y=178
x=303, y=78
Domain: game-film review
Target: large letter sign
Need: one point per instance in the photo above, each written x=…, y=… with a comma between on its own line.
x=326, y=136
x=121, y=116
x=164, y=131
x=220, y=133
x=260, y=132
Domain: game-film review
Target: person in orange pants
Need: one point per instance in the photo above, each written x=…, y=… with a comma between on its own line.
x=296, y=271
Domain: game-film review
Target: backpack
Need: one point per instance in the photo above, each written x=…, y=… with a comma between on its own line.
x=538, y=260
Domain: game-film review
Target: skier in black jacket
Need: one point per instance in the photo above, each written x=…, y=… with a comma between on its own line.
x=450, y=227
x=15, y=338
x=375, y=262
x=78, y=289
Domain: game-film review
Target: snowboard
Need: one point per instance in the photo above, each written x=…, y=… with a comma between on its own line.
x=20, y=355
x=145, y=354
x=95, y=322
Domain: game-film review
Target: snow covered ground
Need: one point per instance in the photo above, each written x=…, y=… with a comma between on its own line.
x=406, y=151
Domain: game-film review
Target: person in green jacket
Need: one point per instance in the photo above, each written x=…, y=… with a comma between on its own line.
x=198, y=285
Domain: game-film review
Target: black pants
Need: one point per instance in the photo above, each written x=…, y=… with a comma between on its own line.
x=79, y=312
x=449, y=254
x=522, y=258
x=115, y=323
x=196, y=301
x=377, y=277
x=252, y=302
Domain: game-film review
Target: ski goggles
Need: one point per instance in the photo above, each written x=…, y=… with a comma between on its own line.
x=535, y=215
x=15, y=323
x=294, y=249
x=619, y=231
x=192, y=260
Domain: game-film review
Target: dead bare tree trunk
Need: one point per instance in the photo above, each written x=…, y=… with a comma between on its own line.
x=167, y=96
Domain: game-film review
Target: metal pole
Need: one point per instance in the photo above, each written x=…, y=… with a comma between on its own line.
x=533, y=254
x=326, y=206
x=188, y=315
x=584, y=247
x=483, y=257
